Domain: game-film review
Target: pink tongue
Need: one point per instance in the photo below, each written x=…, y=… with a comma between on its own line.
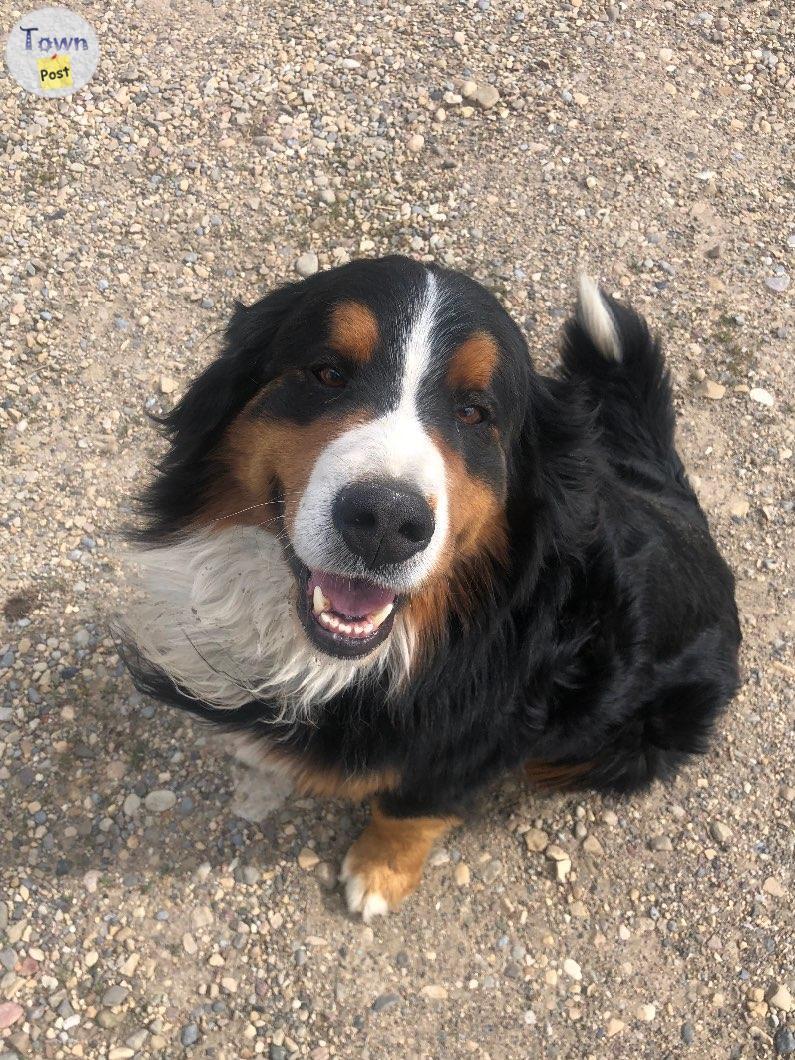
x=351, y=597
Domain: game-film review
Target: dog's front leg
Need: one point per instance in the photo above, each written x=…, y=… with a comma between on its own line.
x=386, y=861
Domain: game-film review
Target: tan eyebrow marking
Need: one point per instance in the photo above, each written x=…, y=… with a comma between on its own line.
x=472, y=365
x=353, y=331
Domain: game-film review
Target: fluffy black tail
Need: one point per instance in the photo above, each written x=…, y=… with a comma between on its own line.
x=609, y=353
x=664, y=733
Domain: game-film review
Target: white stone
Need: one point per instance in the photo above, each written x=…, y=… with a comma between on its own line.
x=307, y=264
x=762, y=397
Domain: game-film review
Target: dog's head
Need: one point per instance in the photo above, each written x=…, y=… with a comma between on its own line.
x=366, y=418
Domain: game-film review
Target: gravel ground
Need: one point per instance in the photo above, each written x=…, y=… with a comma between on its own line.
x=222, y=148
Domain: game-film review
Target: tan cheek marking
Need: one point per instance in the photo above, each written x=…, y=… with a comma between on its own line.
x=477, y=533
x=389, y=856
x=472, y=365
x=353, y=331
x=257, y=452
x=427, y=612
x=476, y=513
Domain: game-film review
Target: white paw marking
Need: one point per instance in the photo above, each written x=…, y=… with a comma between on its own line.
x=369, y=903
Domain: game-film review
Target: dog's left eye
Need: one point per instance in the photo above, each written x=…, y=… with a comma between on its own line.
x=329, y=376
x=471, y=415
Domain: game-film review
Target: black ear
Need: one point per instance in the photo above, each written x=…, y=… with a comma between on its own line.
x=195, y=424
x=216, y=396
x=552, y=479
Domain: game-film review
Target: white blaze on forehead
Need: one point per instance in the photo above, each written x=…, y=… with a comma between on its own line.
x=417, y=346
x=393, y=446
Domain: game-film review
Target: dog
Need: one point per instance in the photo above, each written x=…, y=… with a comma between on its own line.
x=395, y=562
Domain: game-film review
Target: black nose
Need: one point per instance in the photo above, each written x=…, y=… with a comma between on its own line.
x=383, y=522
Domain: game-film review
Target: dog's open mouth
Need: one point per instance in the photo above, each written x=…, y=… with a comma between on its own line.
x=347, y=617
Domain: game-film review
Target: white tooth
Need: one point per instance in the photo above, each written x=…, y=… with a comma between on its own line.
x=377, y=617
x=319, y=602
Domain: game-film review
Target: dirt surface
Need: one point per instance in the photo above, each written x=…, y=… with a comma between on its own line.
x=222, y=148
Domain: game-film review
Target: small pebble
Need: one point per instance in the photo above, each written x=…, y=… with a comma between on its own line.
x=385, y=1001
x=711, y=390
x=492, y=872
x=773, y=887
x=781, y=998
x=779, y=283
x=114, y=995
x=661, y=843
x=189, y=1034
x=434, y=992
x=308, y=859
x=762, y=397
x=721, y=833
x=592, y=846
x=160, y=801
x=784, y=1041
x=536, y=840
x=10, y=1013
x=487, y=96
x=307, y=264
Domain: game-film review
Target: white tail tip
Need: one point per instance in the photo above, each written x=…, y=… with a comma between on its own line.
x=595, y=317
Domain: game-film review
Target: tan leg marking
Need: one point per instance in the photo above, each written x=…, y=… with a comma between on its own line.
x=307, y=778
x=561, y=776
x=386, y=861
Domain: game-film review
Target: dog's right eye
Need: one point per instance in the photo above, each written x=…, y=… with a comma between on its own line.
x=329, y=376
x=471, y=415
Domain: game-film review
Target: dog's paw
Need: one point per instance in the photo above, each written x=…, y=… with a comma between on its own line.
x=373, y=887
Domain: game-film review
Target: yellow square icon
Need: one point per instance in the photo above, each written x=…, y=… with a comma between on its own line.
x=55, y=72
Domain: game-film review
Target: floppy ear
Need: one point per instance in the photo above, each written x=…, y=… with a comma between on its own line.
x=214, y=398
x=196, y=423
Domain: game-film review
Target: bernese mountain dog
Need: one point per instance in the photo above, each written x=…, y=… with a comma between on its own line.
x=395, y=562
